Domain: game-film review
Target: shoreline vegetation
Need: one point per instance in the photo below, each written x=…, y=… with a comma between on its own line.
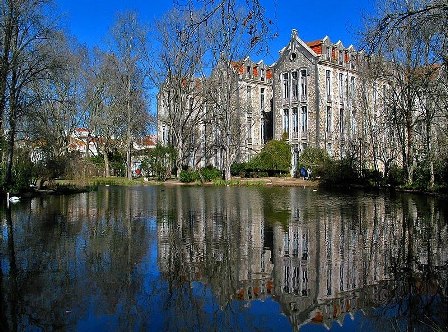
x=67, y=187
x=236, y=181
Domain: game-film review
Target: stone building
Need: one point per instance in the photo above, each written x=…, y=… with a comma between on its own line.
x=255, y=104
x=319, y=99
x=314, y=96
x=235, y=100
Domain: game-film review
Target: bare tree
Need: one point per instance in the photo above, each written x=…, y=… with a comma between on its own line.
x=105, y=114
x=202, y=35
x=180, y=80
x=234, y=30
x=130, y=38
x=410, y=37
x=60, y=106
x=395, y=16
x=28, y=56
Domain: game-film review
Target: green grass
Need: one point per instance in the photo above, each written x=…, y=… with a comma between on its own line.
x=101, y=181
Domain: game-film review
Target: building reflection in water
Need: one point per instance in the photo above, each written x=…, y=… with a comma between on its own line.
x=204, y=258
x=321, y=257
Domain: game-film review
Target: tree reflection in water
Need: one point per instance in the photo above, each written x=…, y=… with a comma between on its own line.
x=195, y=258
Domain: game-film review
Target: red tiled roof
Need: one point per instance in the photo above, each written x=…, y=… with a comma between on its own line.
x=314, y=43
x=316, y=46
x=238, y=66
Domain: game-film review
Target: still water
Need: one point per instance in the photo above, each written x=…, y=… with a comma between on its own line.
x=224, y=259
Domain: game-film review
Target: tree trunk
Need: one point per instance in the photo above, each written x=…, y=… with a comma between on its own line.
x=409, y=148
x=10, y=149
x=12, y=130
x=227, y=164
x=179, y=159
x=429, y=152
x=431, y=175
x=129, y=161
x=227, y=173
x=106, y=164
x=4, y=68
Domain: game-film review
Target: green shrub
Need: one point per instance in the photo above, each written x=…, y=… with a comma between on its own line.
x=188, y=176
x=97, y=160
x=421, y=176
x=22, y=174
x=159, y=161
x=315, y=159
x=238, y=169
x=210, y=173
x=371, y=177
x=441, y=172
x=274, y=157
x=396, y=176
x=117, y=162
x=338, y=173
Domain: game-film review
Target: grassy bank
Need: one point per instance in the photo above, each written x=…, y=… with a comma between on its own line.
x=236, y=181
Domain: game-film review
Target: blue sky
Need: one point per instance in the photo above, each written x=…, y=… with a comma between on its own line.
x=89, y=20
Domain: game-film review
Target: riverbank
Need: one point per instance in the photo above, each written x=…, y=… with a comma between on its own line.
x=67, y=187
x=235, y=181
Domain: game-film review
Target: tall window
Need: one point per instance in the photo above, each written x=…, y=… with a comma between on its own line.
x=328, y=53
x=328, y=124
x=286, y=121
x=164, y=134
x=341, y=87
x=285, y=85
x=262, y=98
x=353, y=122
x=303, y=84
x=352, y=88
x=328, y=84
x=304, y=119
x=262, y=74
x=341, y=57
x=295, y=120
x=341, y=120
x=248, y=73
x=249, y=95
x=249, y=130
x=262, y=131
x=295, y=86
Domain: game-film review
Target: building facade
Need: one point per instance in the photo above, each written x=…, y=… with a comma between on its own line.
x=313, y=96
x=255, y=105
x=321, y=100
x=235, y=100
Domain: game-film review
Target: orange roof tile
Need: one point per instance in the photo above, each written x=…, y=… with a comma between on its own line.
x=316, y=46
x=314, y=43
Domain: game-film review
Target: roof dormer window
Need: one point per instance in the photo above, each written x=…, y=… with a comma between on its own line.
x=328, y=55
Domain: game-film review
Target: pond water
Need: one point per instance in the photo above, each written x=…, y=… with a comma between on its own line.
x=224, y=259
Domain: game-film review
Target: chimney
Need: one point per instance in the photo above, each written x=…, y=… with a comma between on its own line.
x=294, y=33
